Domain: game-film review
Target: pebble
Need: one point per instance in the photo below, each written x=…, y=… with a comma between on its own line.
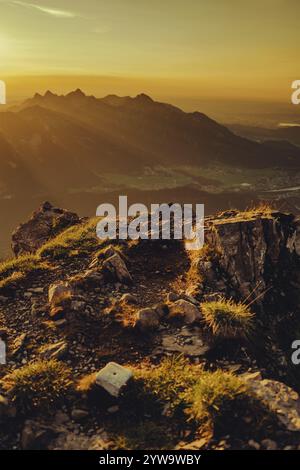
x=255, y=445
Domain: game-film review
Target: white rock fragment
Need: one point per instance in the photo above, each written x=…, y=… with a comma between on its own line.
x=113, y=378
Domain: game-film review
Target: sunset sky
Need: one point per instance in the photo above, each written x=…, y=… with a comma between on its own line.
x=185, y=48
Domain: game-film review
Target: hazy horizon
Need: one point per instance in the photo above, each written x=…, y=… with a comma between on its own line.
x=185, y=51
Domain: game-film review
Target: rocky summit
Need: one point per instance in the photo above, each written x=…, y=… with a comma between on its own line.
x=144, y=345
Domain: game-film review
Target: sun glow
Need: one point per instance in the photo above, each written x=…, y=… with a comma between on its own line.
x=6, y=47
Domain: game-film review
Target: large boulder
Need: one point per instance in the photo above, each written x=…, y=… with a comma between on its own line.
x=278, y=397
x=251, y=255
x=45, y=223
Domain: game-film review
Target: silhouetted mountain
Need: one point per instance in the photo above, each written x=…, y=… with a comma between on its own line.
x=117, y=132
x=289, y=133
x=61, y=147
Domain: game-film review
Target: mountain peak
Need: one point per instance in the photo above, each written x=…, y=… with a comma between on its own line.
x=49, y=94
x=142, y=97
x=76, y=93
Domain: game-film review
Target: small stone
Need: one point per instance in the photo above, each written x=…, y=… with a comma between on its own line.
x=77, y=305
x=128, y=299
x=18, y=344
x=147, y=319
x=117, y=269
x=58, y=292
x=113, y=409
x=172, y=297
x=79, y=415
x=182, y=309
x=113, y=378
x=255, y=445
x=269, y=444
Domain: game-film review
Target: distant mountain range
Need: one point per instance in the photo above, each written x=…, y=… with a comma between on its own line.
x=50, y=143
x=285, y=133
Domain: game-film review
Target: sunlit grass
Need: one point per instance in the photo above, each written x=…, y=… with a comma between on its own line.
x=227, y=319
x=38, y=386
x=76, y=240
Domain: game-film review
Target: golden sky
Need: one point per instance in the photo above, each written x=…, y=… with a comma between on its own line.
x=223, y=49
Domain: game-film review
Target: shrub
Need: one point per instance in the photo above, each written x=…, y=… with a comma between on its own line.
x=227, y=319
x=38, y=386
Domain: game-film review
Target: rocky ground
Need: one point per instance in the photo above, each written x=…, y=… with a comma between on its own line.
x=82, y=303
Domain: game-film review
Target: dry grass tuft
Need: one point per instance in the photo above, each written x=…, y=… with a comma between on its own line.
x=227, y=319
x=38, y=386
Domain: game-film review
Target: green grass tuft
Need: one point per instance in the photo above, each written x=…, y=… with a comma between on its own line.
x=227, y=319
x=15, y=270
x=215, y=394
x=76, y=240
x=38, y=386
x=168, y=381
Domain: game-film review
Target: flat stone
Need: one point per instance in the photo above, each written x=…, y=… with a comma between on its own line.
x=188, y=344
x=79, y=415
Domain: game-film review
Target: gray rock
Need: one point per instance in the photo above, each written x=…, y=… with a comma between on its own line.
x=184, y=310
x=147, y=319
x=279, y=398
x=58, y=292
x=188, y=343
x=18, y=344
x=117, y=269
x=79, y=415
x=44, y=224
